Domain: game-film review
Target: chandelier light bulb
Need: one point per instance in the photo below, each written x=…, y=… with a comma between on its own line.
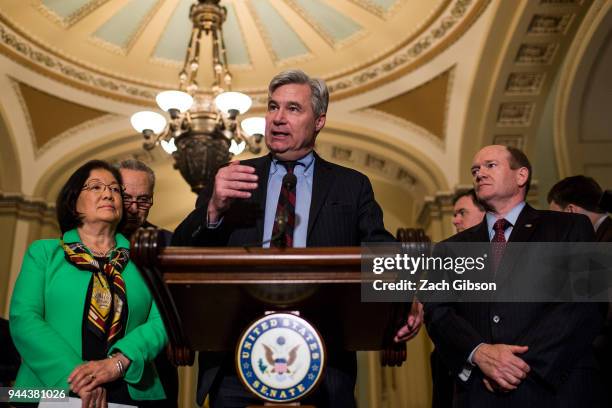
x=178, y=100
x=254, y=125
x=168, y=146
x=233, y=100
x=147, y=120
x=237, y=148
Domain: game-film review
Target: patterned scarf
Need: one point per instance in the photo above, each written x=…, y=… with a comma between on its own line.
x=103, y=301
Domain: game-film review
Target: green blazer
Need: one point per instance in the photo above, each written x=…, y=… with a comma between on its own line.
x=46, y=318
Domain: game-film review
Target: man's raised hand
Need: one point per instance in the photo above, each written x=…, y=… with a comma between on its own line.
x=231, y=182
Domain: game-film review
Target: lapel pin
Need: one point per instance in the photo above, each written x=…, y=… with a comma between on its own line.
x=528, y=225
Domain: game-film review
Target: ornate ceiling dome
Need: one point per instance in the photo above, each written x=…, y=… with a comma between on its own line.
x=131, y=49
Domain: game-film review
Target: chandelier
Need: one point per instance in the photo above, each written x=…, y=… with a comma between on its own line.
x=202, y=132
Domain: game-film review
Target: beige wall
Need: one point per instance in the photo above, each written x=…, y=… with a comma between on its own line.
x=21, y=222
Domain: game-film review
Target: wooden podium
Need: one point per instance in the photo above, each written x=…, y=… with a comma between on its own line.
x=207, y=296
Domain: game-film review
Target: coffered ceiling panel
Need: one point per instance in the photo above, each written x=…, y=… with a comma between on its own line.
x=331, y=24
x=122, y=28
x=69, y=11
x=282, y=41
x=173, y=41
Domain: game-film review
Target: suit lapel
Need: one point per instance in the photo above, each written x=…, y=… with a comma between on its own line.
x=525, y=225
x=321, y=183
x=522, y=231
x=262, y=169
x=480, y=233
x=604, y=232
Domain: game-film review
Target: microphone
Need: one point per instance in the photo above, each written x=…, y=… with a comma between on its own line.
x=289, y=181
x=282, y=219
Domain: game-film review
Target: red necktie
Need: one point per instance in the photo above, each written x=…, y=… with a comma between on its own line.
x=285, y=209
x=499, y=241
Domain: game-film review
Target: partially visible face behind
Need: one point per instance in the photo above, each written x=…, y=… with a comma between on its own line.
x=103, y=205
x=494, y=180
x=555, y=207
x=466, y=214
x=291, y=125
x=137, y=186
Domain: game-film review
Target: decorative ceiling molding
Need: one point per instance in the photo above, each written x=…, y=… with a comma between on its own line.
x=528, y=61
x=581, y=73
x=445, y=23
x=272, y=42
x=375, y=164
x=525, y=83
x=449, y=27
x=550, y=23
x=377, y=9
x=515, y=114
x=27, y=208
x=324, y=31
x=130, y=40
x=46, y=63
x=74, y=17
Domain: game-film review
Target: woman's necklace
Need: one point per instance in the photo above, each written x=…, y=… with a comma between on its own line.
x=99, y=253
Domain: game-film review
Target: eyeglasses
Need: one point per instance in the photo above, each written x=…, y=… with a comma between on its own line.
x=98, y=187
x=142, y=202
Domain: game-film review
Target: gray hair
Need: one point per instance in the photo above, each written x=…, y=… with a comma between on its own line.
x=137, y=165
x=318, y=89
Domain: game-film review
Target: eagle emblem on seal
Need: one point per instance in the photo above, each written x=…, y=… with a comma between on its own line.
x=279, y=359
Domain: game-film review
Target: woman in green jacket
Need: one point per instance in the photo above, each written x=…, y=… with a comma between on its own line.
x=81, y=314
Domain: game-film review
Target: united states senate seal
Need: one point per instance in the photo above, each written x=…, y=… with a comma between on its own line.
x=280, y=357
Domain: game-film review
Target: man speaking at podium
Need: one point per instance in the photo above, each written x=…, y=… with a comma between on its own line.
x=293, y=198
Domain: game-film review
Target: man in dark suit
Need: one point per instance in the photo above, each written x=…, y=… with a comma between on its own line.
x=517, y=354
x=334, y=206
x=582, y=195
x=139, y=184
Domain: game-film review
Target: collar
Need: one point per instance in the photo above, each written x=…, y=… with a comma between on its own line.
x=306, y=161
x=511, y=216
x=600, y=221
x=73, y=236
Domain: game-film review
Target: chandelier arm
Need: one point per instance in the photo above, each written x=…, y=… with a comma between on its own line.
x=202, y=135
x=252, y=142
x=194, y=63
x=152, y=139
x=217, y=66
x=227, y=76
x=185, y=80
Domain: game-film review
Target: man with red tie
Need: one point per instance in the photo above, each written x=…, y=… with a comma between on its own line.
x=517, y=354
x=294, y=198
